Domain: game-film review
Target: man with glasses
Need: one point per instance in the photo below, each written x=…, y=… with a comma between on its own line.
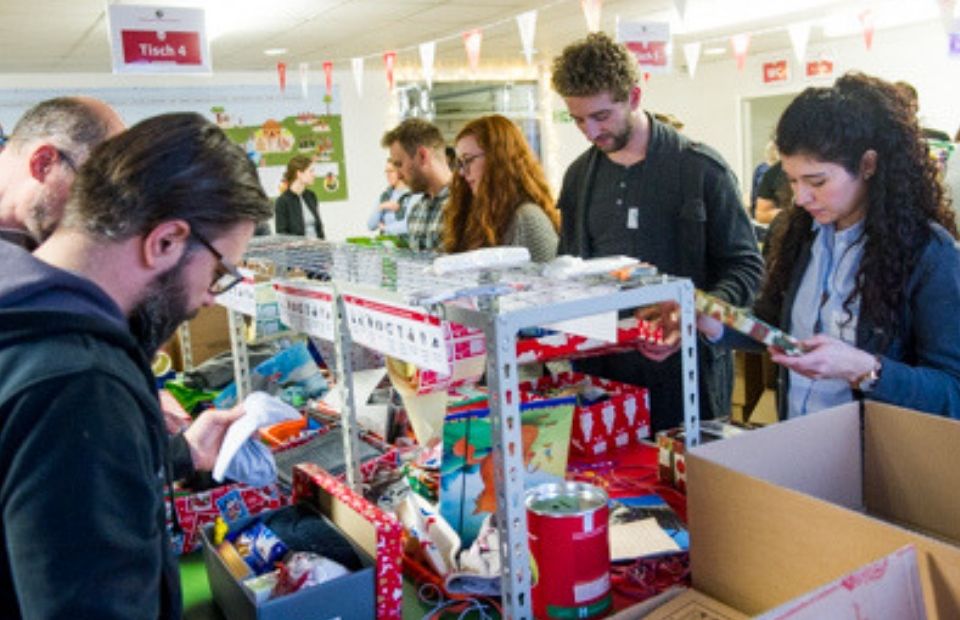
x=159, y=216
x=40, y=162
x=417, y=151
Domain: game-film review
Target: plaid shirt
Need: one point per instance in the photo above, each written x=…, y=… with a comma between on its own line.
x=425, y=222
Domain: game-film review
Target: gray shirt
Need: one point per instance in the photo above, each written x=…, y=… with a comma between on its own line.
x=532, y=229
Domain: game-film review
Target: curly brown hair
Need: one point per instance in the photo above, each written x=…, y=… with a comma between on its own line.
x=595, y=65
x=838, y=125
x=511, y=176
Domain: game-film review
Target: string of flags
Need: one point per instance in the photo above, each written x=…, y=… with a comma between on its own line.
x=649, y=41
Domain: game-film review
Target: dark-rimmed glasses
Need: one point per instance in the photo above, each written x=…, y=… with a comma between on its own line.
x=227, y=275
x=464, y=161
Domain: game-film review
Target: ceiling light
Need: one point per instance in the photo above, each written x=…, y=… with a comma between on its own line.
x=714, y=51
x=275, y=51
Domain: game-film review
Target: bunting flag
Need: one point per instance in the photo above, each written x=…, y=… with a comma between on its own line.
x=282, y=74
x=591, y=12
x=947, y=8
x=328, y=76
x=428, y=51
x=799, y=35
x=389, y=59
x=357, y=65
x=527, y=23
x=691, y=52
x=304, y=69
x=866, y=22
x=741, y=43
x=681, y=6
x=471, y=41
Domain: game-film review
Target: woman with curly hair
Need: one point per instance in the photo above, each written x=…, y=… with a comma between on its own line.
x=500, y=196
x=866, y=272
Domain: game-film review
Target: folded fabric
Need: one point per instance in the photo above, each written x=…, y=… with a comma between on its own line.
x=244, y=459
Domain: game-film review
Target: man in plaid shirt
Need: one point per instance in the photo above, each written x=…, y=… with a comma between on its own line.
x=417, y=152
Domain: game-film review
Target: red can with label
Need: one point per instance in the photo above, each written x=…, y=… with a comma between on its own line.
x=569, y=550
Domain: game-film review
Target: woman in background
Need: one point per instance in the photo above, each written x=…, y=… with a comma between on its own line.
x=500, y=196
x=297, y=207
x=390, y=215
x=866, y=272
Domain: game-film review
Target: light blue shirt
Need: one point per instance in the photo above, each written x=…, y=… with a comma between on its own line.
x=818, y=308
x=393, y=225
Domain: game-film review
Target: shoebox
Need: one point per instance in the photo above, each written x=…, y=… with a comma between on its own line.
x=232, y=502
x=620, y=418
x=346, y=596
x=376, y=532
x=778, y=511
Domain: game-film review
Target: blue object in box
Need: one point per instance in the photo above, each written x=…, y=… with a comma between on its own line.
x=347, y=597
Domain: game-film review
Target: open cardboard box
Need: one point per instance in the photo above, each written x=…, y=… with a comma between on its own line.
x=777, y=512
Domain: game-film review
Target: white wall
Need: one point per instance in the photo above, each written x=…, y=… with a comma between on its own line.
x=709, y=105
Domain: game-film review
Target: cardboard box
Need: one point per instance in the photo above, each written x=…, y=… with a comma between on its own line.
x=776, y=512
x=324, y=601
x=375, y=531
x=209, y=336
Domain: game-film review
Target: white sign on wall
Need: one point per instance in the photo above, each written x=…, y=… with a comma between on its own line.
x=156, y=39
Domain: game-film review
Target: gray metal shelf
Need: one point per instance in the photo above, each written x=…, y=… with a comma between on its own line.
x=399, y=277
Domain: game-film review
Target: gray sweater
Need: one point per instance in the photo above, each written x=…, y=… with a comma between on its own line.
x=532, y=229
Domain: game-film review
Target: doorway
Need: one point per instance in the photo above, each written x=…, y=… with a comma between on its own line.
x=760, y=116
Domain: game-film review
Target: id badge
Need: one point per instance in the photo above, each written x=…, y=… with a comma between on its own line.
x=633, y=218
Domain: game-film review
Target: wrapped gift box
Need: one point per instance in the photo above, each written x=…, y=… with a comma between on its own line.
x=233, y=502
x=620, y=419
x=377, y=532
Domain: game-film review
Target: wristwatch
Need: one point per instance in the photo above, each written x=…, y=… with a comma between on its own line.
x=868, y=380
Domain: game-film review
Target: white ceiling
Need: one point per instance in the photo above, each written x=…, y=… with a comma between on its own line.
x=67, y=36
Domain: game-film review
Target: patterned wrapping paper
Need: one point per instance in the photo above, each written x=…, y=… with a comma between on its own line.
x=619, y=421
x=630, y=332
x=311, y=482
x=231, y=501
x=747, y=324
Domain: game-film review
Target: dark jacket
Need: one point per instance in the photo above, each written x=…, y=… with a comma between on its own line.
x=690, y=194
x=290, y=215
x=82, y=452
x=921, y=364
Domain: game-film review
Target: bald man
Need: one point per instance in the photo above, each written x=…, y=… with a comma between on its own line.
x=40, y=160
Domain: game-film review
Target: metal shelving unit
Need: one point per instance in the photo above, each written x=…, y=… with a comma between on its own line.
x=398, y=277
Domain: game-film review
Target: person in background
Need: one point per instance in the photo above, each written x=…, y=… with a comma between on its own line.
x=646, y=191
x=772, y=195
x=417, y=152
x=770, y=158
x=40, y=162
x=297, y=212
x=158, y=217
x=866, y=273
x=389, y=216
x=500, y=196
x=451, y=154
x=912, y=99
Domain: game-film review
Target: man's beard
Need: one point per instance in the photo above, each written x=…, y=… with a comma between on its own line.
x=621, y=138
x=417, y=182
x=161, y=311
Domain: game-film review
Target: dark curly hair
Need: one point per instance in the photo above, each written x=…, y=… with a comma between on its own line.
x=595, y=65
x=511, y=176
x=904, y=196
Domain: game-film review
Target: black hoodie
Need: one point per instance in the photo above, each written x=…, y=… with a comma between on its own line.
x=82, y=452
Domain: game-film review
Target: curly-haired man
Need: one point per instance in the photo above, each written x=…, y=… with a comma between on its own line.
x=644, y=190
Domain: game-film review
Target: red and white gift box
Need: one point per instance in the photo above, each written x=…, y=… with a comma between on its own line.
x=631, y=331
x=230, y=501
x=620, y=420
x=377, y=532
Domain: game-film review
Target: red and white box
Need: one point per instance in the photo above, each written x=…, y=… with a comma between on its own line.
x=231, y=501
x=377, y=532
x=631, y=331
x=621, y=419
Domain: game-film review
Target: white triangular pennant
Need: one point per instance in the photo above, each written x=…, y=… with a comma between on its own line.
x=527, y=23
x=428, y=51
x=799, y=35
x=691, y=53
x=681, y=6
x=357, y=65
x=304, y=78
x=591, y=13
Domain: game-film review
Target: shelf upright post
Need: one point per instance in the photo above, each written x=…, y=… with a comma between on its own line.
x=507, y=443
x=241, y=357
x=688, y=362
x=186, y=346
x=348, y=410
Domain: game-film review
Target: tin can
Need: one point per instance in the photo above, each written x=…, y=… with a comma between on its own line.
x=569, y=550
